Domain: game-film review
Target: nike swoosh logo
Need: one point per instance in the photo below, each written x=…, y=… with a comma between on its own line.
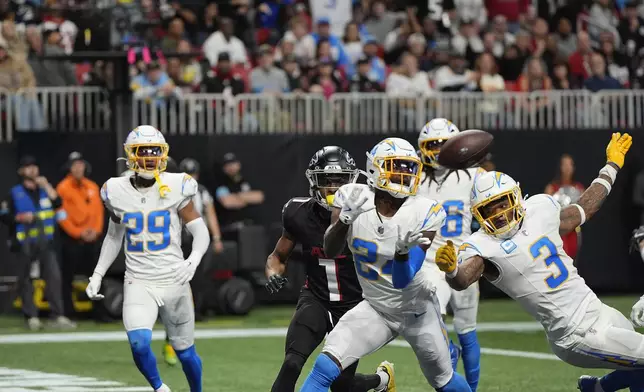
x=419, y=314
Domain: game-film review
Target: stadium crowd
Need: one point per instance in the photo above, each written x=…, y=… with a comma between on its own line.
x=276, y=46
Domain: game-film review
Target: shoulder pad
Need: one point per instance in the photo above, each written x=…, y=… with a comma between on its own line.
x=293, y=203
x=434, y=216
x=189, y=186
x=104, y=193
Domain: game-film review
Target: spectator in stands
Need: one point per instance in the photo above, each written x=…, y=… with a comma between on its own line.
x=224, y=41
x=579, y=61
x=378, y=70
x=323, y=33
x=336, y=14
x=222, y=79
x=271, y=16
x=173, y=68
x=491, y=45
x=602, y=16
x=380, y=21
x=510, y=10
x=489, y=82
x=539, y=37
x=362, y=81
x=176, y=33
x=467, y=41
x=266, y=77
x=326, y=80
x=473, y=10
x=535, y=78
x=524, y=45
x=16, y=41
x=56, y=72
x=455, y=76
x=500, y=30
x=154, y=85
x=396, y=41
x=512, y=64
x=30, y=212
x=304, y=43
x=528, y=19
x=599, y=80
x=551, y=52
x=352, y=43
x=286, y=48
x=187, y=13
x=16, y=74
x=293, y=73
x=83, y=228
x=235, y=195
x=208, y=22
x=561, y=76
x=630, y=29
x=566, y=41
x=407, y=80
x=616, y=63
x=191, y=72
x=418, y=47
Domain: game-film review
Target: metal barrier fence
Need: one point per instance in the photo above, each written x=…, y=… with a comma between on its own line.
x=382, y=113
x=6, y=116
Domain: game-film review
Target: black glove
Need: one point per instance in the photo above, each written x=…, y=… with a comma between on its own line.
x=638, y=236
x=275, y=283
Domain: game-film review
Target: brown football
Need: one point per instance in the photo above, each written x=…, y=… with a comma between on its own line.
x=466, y=149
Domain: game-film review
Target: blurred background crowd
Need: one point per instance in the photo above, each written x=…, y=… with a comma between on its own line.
x=327, y=46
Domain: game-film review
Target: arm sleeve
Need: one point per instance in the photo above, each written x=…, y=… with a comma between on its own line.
x=404, y=271
x=200, y=239
x=110, y=248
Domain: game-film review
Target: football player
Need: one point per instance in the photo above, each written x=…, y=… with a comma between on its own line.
x=452, y=189
x=637, y=244
x=388, y=230
x=519, y=250
x=331, y=287
x=147, y=210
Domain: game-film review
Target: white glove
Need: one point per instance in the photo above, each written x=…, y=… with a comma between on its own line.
x=94, y=287
x=409, y=240
x=637, y=314
x=351, y=208
x=185, y=271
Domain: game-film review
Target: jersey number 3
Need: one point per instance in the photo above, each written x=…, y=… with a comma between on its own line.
x=157, y=222
x=546, y=248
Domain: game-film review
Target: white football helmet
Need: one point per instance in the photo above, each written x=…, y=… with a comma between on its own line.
x=432, y=137
x=146, y=151
x=393, y=166
x=497, y=204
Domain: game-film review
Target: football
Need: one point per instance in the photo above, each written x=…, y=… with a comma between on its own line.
x=465, y=149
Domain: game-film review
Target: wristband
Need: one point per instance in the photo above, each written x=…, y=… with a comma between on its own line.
x=609, y=171
x=452, y=274
x=603, y=182
x=582, y=213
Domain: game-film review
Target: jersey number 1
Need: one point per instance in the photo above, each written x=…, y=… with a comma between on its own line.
x=333, y=285
x=552, y=257
x=157, y=222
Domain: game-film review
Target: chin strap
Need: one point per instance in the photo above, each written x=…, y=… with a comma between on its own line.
x=163, y=188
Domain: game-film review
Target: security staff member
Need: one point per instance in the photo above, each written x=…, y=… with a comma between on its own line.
x=30, y=210
x=83, y=228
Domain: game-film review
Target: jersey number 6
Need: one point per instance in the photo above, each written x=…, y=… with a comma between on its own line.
x=157, y=222
x=552, y=257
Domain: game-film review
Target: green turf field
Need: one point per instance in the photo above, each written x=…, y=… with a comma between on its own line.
x=512, y=361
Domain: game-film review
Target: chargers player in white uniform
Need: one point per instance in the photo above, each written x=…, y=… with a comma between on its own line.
x=520, y=251
x=388, y=229
x=147, y=210
x=452, y=189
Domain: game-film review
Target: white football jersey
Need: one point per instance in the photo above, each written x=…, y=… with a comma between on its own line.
x=534, y=270
x=152, y=240
x=373, y=244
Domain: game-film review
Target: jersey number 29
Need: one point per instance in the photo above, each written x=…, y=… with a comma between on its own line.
x=157, y=222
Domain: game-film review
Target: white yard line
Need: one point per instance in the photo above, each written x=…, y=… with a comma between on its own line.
x=20, y=380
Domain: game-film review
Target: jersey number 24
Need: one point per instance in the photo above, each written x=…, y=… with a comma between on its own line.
x=157, y=222
x=365, y=261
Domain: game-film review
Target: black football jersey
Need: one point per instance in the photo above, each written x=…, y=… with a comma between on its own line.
x=330, y=280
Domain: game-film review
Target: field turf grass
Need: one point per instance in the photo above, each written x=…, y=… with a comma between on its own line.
x=249, y=364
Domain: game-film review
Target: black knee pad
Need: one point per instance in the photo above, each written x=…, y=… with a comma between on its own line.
x=294, y=361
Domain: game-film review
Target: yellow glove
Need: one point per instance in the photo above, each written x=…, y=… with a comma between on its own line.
x=446, y=257
x=618, y=147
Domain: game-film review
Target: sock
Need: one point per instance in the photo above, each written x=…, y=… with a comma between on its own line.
x=144, y=359
x=324, y=371
x=289, y=372
x=191, y=364
x=454, y=354
x=367, y=382
x=456, y=384
x=384, y=380
x=471, y=353
x=621, y=379
x=167, y=339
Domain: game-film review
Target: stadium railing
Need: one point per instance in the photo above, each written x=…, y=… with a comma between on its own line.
x=6, y=116
x=383, y=113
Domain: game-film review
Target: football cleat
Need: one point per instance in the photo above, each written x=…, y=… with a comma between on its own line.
x=388, y=368
x=169, y=356
x=587, y=383
x=163, y=388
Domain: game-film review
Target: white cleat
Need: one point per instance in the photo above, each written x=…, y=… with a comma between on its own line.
x=34, y=324
x=163, y=388
x=62, y=322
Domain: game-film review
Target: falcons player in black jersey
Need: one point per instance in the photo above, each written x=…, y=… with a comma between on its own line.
x=331, y=287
